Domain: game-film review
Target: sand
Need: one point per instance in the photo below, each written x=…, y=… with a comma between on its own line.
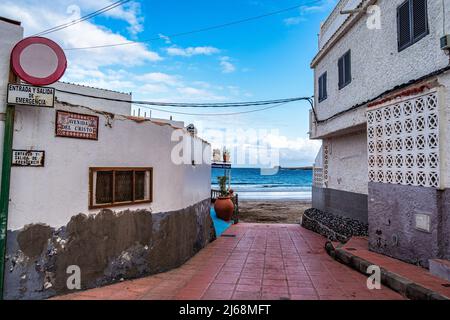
x=272, y=211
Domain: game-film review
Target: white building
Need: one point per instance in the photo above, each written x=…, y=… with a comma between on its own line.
x=383, y=114
x=115, y=202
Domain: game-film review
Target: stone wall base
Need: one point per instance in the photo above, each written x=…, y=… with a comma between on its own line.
x=107, y=248
x=342, y=203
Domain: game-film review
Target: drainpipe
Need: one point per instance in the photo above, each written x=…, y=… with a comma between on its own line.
x=5, y=184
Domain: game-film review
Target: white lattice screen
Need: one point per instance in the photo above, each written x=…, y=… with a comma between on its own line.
x=318, y=177
x=326, y=161
x=403, y=142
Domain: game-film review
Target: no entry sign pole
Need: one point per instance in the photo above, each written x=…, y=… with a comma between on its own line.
x=37, y=61
x=5, y=184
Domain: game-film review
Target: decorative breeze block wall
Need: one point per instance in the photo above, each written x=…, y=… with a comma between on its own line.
x=318, y=177
x=320, y=173
x=403, y=142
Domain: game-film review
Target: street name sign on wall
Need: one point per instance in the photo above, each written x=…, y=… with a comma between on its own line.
x=219, y=165
x=28, y=158
x=25, y=95
x=75, y=125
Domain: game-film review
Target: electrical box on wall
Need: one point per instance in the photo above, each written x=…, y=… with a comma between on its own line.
x=445, y=42
x=423, y=222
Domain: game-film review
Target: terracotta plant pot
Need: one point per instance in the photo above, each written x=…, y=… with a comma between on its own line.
x=224, y=208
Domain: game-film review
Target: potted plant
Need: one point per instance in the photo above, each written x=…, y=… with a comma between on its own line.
x=226, y=155
x=224, y=206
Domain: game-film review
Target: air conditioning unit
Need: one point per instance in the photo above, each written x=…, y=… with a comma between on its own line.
x=445, y=42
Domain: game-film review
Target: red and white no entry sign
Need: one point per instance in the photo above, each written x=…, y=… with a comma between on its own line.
x=38, y=61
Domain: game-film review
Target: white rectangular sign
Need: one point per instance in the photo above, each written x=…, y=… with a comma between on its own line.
x=20, y=94
x=28, y=158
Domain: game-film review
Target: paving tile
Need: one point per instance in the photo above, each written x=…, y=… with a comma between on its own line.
x=268, y=262
x=250, y=281
x=302, y=297
x=238, y=295
x=302, y=291
x=275, y=282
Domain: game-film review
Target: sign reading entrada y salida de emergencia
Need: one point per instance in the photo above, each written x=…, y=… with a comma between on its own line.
x=19, y=94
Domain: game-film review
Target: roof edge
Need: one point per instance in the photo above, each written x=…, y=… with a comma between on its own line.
x=4, y=19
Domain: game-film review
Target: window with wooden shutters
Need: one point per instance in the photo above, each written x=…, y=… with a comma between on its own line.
x=323, y=87
x=110, y=187
x=412, y=22
x=345, y=70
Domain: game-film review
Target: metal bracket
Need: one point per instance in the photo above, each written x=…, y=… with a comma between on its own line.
x=359, y=10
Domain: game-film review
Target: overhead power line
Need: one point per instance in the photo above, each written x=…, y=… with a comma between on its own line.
x=218, y=114
x=193, y=105
x=218, y=26
x=84, y=18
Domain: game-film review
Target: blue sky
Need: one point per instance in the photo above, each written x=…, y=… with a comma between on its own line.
x=263, y=59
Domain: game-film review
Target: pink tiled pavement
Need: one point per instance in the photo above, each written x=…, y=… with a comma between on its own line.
x=251, y=262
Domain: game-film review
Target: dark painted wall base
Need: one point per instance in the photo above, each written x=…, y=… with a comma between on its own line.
x=392, y=222
x=342, y=203
x=106, y=247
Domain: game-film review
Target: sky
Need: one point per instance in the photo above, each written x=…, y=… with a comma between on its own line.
x=262, y=59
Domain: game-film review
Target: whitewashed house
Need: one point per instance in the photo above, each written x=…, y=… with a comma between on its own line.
x=382, y=104
x=107, y=197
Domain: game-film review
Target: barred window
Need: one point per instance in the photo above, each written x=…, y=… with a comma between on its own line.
x=412, y=22
x=110, y=187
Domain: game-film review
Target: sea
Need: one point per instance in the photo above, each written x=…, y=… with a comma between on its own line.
x=286, y=184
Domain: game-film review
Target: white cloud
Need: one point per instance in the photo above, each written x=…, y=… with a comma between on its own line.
x=36, y=17
x=166, y=39
x=129, y=12
x=192, y=51
x=159, y=77
x=227, y=66
x=293, y=21
x=322, y=6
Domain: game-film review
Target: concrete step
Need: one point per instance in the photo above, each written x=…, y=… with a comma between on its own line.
x=440, y=268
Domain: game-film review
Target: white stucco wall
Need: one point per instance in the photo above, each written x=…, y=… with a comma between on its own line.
x=444, y=80
x=347, y=168
x=58, y=191
x=10, y=34
x=98, y=104
x=335, y=20
x=377, y=66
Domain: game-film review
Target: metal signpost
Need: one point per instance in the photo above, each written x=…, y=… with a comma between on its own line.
x=39, y=62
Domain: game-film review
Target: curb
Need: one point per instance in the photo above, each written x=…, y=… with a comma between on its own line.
x=400, y=284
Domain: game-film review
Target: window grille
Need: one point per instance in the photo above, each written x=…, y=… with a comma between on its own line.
x=412, y=22
x=111, y=187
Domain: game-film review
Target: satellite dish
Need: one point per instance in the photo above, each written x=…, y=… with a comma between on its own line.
x=38, y=61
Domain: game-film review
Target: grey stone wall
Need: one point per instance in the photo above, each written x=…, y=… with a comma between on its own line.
x=107, y=247
x=392, y=225
x=342, y=203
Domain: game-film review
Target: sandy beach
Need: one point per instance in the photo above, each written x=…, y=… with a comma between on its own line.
x=272, y=211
